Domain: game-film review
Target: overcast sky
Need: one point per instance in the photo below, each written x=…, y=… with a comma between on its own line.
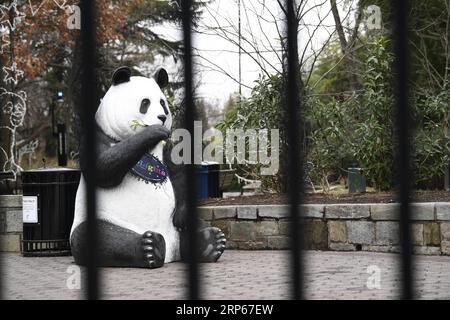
x=216, y=49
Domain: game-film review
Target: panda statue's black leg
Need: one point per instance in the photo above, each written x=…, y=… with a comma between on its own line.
x=120, y=247
x=211, y=244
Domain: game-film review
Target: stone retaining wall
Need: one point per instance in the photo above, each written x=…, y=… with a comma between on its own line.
x=10, y=223
x=339, y=227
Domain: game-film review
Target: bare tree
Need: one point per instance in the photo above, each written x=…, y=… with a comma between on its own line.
x=348, y=45
x=262, y=38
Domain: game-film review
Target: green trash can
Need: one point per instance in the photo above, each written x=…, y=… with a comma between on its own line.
x=356, y=180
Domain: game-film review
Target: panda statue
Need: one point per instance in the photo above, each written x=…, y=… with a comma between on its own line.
x=141, y=209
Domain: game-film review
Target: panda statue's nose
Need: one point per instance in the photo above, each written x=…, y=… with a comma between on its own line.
x=162, y=118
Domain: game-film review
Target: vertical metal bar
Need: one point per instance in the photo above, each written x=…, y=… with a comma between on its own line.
x=400, y=23
x=294, y=170
x=189, y=117
x=1, y=253
x=88, y=108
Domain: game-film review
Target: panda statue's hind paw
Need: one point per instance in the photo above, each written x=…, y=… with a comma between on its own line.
x=153, y=248
x=212, y=244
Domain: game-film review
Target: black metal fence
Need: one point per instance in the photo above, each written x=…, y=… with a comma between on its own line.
x=89, y=99
x=400, y=21
x=293, y=107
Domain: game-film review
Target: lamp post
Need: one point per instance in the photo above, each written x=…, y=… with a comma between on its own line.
x=59, y=130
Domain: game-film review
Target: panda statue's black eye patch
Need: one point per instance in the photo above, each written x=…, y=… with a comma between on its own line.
x=163, y=104
x=145, y=104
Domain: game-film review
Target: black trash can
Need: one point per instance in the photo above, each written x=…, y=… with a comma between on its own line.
x=48, y=210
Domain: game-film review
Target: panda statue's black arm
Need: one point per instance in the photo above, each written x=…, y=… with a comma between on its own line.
x=211, y=240
x=115, y=159
x=178, y=179
x=177, y=174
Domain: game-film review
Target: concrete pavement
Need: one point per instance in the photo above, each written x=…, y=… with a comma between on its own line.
x=238, y=275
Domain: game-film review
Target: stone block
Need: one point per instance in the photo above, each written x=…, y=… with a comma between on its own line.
x=347, y=211
x=425, y=250
x=384, y=211
x=224, y=212
x=432, y=234
x=445, y=231
x=316, y=235
x=242, y=231
x=278, y=242
x=285, y=228
x=267, y=228
x=422, y=211
x=232, y=245
x=443, y=211
x=205, y=213
x=14, y=221
x=445, y=247
x=337, y=246
x=247, y=212
x=378, y=248
x=10, y=201
x=360, y=232
x=390, y=211
x=274, y=211
x=337, y=231
x=417, y=234
x=10, y=242
x=313, y=210
x=252, y=245
x=387, y=233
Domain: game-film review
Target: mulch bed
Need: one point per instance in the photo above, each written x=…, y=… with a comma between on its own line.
x=372, y=197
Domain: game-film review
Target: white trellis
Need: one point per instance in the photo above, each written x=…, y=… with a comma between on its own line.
x=14, y=105
x=28, y=149
x=15, y=108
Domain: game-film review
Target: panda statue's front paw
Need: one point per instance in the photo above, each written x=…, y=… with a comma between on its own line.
x=153, y=248
x=212, y=244
x=158, y=132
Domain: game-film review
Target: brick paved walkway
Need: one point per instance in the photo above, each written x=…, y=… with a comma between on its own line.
x=238, y=275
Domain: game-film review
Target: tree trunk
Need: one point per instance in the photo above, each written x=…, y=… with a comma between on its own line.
x=347, y=47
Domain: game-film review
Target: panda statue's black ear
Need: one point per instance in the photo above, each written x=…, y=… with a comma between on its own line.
x=161, y=78
x=121, y=75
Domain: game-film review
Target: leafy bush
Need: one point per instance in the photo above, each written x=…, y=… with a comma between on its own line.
x=330, y=136
x=432, y=141
x=348, y=130
x=373, y=147
x=262, y=110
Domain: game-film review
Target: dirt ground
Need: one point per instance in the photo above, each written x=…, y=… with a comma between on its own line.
x=369, y=197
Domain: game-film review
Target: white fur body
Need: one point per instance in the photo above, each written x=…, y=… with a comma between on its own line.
x=134, y=204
